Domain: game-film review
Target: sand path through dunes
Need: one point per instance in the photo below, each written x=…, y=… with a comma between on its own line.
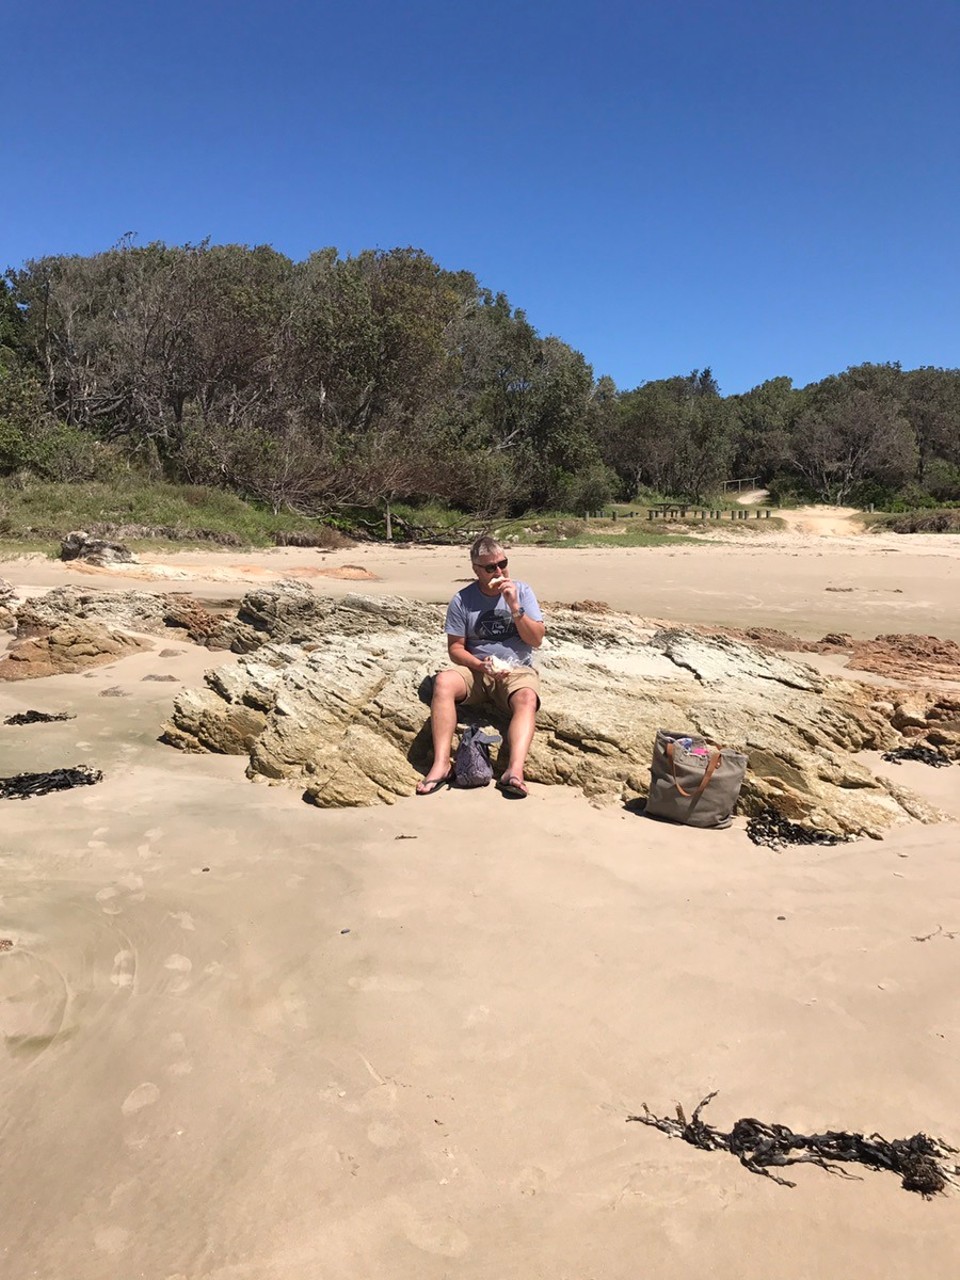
x=821, y=520
x=245, y=1039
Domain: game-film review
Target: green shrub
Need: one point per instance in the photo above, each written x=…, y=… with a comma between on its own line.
x=35, y=507
x=585, y=491
x=941, y=479
x=942, y=521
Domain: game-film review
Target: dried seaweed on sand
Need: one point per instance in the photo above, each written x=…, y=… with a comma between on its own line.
x=924, y=755
x=775, y=831
x=24, y=785
x=38, y=717
x=923, y=1163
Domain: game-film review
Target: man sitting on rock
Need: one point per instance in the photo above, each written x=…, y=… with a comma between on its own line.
x=493, y=626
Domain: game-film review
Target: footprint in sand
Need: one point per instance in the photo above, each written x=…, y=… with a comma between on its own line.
x=33, y=1002
x=144, y=1095
x=386, y=982
x=125, y=1192
x=146, y=848
x=176, y=1043
x=383, y=1135
x=530, y=1182
x=109, y=899
x=181, y=967
x=114, y=897
x=124, y=969
x=442, y=1239
x=111, y=1240
x=474, y=1017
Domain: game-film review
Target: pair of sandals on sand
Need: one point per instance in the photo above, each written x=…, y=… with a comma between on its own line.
x=509, y=785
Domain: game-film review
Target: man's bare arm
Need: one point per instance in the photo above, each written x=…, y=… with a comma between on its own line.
x=460, y=654
x=530, y=632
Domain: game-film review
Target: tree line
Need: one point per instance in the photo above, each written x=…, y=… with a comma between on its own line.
x=353, y=381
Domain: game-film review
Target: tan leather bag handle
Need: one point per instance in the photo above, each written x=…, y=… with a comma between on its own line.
x=707, y=773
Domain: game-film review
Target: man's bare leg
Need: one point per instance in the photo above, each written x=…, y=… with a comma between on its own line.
x=523, y=722
x=448, y=690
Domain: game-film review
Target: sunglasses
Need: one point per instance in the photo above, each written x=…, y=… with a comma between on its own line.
x=489, y=568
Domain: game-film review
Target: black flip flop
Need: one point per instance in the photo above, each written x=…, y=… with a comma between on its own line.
x=433, y=786
x=513, y=787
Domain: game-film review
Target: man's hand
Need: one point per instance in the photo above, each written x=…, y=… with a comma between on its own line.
x=488, y=669
x=510, y=593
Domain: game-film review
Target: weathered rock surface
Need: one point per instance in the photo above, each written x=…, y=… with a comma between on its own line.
x=896, y=655
x=932, y=717
x=72, y=646
x=921, y=655
x=140, y=611
x=332, y=706
x=81, y=546
x=8, y=602
x=289, y=612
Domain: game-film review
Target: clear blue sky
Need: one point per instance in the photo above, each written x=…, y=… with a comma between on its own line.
x=765, y=186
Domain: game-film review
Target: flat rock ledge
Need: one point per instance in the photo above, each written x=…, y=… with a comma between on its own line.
x=66, y=649
x=329, y=697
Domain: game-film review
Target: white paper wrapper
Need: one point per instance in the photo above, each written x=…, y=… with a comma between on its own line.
x=501, y=664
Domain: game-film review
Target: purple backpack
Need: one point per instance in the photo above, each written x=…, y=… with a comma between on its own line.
x=471, y=764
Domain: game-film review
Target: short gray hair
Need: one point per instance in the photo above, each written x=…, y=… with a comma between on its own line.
x=484, y=546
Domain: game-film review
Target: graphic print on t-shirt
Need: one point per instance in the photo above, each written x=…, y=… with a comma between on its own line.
x=495, y=626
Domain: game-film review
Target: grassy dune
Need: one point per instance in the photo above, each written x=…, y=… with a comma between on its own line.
x=34, y=516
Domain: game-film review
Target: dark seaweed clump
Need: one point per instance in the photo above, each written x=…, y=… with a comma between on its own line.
x=926, y=755
x=922, y=1163
x=25, y=785
x=38, y=717
x=773, y=830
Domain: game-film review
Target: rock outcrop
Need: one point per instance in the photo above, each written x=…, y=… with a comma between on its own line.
x=334, y=704
x=70, y=647
x=139, y=611
x=99, y=551
x=895, y=656
x=920, y=655
x=287, y=611
x=8, y=601
x=933, y=717
x=328, y=696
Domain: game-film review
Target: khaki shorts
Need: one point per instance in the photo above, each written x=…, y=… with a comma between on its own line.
x=488, y=689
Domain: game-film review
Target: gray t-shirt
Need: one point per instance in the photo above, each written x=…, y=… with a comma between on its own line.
x=487, y=626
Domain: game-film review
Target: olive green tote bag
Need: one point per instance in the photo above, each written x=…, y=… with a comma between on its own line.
x=694, y=782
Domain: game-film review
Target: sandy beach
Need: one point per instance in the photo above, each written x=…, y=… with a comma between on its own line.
x=242, y=1038
x=800, y=582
